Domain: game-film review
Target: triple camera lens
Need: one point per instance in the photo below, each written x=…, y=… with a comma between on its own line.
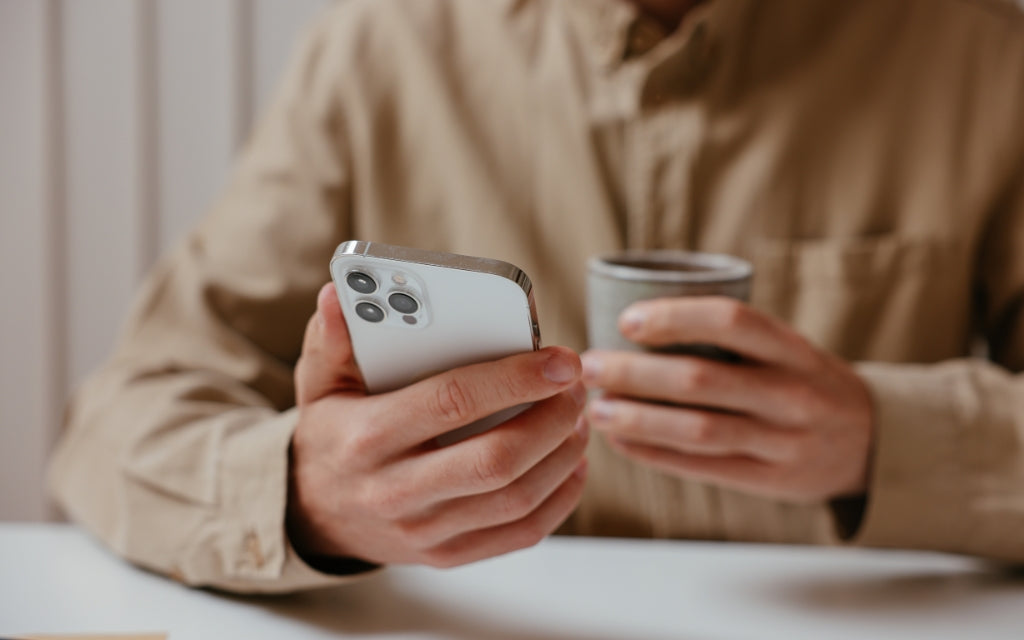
x=403, y=303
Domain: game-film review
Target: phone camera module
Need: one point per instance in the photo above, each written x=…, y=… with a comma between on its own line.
x=403, y=303
x=370, y=312
x=361, y=282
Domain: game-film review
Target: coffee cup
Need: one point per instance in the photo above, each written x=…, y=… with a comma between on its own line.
x=615, y=282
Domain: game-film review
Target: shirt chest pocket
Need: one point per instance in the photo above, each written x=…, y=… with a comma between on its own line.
x=888, y=298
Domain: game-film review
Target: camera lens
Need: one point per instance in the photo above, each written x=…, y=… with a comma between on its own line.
x=403, y=303
x=361, y=282
x=369, y=312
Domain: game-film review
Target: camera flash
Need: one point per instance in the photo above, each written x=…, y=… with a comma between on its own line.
x=398, y=279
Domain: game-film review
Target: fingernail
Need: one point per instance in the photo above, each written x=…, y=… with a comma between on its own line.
x=582, y=427
x=320, y=319
x=591, y=367
x=632, y=320
x=581, y=469
x=602, y=409
x=559, y=370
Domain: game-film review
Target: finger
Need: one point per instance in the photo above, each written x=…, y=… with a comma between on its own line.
x=432, y=407
x=753, y=389
x=492, y=460
x=494, y=541
x=512, y=503
x=723, y=322
x=692, y=431
x=327, y=364
x=733, y=472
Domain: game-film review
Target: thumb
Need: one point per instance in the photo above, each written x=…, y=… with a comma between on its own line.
x=327, y=364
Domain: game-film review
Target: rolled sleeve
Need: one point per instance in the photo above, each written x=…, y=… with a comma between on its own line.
x=245, y=548
x=947, y=473
x=205, y=504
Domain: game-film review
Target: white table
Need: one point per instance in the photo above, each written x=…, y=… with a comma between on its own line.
x=55, y=579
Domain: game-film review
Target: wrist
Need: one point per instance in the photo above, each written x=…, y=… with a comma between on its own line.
x=300, y=526
x=305, y=534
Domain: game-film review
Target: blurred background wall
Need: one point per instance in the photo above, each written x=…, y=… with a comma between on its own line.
x=118, y=120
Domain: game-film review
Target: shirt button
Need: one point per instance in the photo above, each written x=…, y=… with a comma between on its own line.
x=254, y=550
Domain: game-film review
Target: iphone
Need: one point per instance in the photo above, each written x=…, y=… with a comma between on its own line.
x=412, y=314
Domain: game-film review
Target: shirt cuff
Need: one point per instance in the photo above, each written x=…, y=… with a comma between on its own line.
x=252, y=549
x=918, y=496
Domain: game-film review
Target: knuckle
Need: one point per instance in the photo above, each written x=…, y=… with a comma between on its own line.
x=452, y=402
x=363, y=443
x=513, y=385
x=693, y=377
x=414, y=534
x=530, y=534
x=439, y=558
x=494, y=467
x=732, y=314
x=703, y=429
x=516, y=502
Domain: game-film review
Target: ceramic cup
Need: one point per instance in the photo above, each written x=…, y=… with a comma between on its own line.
x=614, y=282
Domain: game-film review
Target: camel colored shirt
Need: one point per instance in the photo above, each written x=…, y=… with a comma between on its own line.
x=867, y=157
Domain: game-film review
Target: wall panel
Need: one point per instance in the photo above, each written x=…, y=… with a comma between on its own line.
x=30, y=386
x=197, y=66
x=106, y=171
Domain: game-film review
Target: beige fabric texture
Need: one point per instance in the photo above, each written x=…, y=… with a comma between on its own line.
x=867, y=157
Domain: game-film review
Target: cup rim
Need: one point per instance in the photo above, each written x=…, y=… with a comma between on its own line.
x=722, y=267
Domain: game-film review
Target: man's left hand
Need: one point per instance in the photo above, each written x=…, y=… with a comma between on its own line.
x=787, y=421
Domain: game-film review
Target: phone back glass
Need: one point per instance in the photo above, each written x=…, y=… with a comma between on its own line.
x=465, y=315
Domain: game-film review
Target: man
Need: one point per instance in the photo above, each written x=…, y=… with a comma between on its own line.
x=867, y=157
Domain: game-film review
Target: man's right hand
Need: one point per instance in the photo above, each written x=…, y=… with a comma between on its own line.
x=367, y=481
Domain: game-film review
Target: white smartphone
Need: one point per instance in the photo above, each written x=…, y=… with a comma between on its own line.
x=412, y=314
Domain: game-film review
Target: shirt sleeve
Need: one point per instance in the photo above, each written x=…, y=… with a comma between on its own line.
x=948, y=468
x=175, y=452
